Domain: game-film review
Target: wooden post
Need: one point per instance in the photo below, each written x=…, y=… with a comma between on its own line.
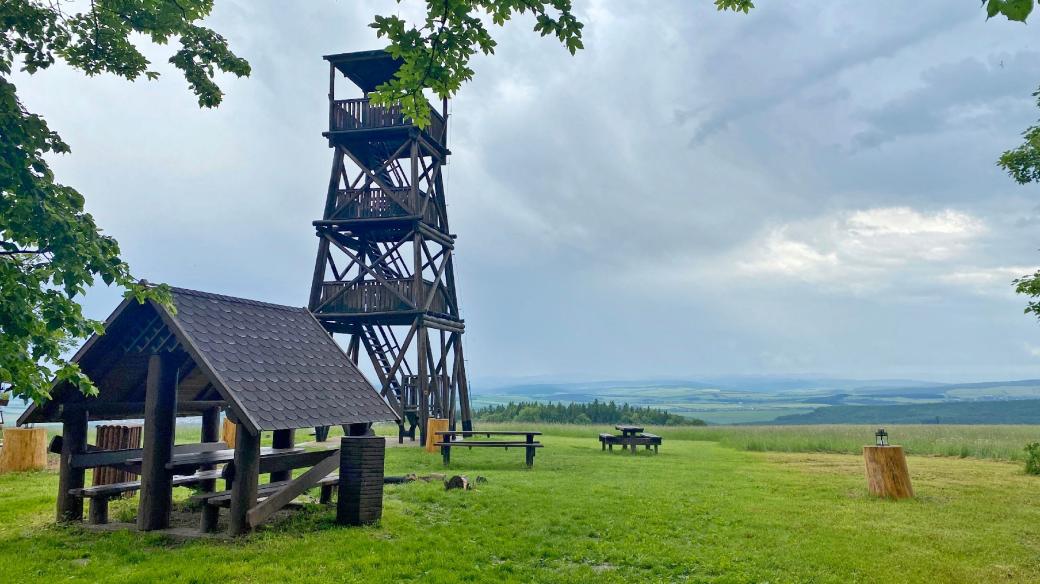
x=74, y=441
x=283, y=439
x=228, y=432
x=247, y=475
x=210, y=434
x=160, y=419
x=423, y=382
x=98, y=514
x=887, y=473
x=24, y=449
x=530, y=450
x=435, y=425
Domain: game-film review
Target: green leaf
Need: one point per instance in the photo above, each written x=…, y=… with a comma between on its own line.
x=1014, y=10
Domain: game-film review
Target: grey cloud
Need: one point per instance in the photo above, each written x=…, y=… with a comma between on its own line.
x=588, y=228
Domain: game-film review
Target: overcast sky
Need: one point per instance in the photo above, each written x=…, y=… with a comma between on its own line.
x=808, y=189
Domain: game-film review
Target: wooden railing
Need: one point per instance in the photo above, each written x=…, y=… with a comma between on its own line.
x=373, y=203
x=360, y=114
x=370, y=296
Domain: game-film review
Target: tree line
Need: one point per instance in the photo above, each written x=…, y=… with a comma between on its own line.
x=595, y=412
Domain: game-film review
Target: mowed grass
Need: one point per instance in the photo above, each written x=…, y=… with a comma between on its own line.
x=994, y=442
x=699, y=511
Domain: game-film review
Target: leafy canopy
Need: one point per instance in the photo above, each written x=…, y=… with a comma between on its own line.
x=51, y=250
x=436, y=52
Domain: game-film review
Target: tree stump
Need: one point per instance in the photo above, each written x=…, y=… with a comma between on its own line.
x=457, y=482
x=434, y=425
x=24, y=449
x=227, y=435
x=887, y=474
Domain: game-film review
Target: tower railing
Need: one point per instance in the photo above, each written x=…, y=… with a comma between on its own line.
x=375, y=203
x=361, y=114
x=371, y=296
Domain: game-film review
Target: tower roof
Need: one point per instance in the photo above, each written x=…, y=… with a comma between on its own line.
x=274, y=365
x=367, y=69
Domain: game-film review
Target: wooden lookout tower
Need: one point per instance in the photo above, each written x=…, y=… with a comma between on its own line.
x=384, y=272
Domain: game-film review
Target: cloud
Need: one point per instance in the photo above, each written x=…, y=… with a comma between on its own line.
x=841, y=211
x=963, y=94
x=863, y=249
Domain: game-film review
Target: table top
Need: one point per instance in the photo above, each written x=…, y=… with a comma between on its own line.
x=627, y=428
x=219, y=457
x=487, y=433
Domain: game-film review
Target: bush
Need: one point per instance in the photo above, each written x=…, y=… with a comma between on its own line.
x=1033, y=458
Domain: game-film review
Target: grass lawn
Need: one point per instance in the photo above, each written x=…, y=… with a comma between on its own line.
x=699, y=511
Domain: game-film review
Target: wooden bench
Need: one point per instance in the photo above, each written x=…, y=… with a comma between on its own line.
x=100, y=495
x=528, y=444
x=274, y=460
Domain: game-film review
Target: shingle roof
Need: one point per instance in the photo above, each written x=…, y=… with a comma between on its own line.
x=275, y=365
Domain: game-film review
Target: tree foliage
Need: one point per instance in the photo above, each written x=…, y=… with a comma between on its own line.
x=436, y=52
x=596, y=412
x=51, y=250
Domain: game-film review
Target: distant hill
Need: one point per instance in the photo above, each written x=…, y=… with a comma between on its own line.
x=987, y=412
x=753, y=399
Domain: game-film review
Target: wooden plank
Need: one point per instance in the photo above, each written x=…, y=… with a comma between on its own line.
x=488, y=444
x=217, y=457
x=135, y=408
x=160, y=417
x=487, y=432
x=293, y=489
x=134, y=456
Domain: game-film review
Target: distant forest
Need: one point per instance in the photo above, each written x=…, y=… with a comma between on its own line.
x=596, y=412
x=980, y=412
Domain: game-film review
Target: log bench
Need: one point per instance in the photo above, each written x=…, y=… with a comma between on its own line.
x=100, y=495
x=447, y=441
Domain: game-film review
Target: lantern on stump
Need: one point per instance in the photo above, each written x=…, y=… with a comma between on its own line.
x=887, y=473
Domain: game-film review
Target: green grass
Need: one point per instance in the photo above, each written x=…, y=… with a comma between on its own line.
x=997, y=442
x=699, y=512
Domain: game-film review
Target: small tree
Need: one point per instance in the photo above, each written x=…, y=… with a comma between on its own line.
x=1033, y=458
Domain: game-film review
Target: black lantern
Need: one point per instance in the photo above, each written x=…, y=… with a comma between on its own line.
x=881, y=437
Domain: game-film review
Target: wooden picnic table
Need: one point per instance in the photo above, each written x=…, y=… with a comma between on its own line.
x=447, y=440
x=631, y=437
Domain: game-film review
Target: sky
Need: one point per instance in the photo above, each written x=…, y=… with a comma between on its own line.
x=809, y=189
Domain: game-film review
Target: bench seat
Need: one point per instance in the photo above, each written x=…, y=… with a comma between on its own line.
x=529, y=444
x=489, y=443
x=99, y=495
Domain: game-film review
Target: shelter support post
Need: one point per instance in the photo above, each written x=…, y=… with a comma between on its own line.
x=247, y=475
x=210, y=434
x=160, y=418
x=74, y=441
x=283, y=439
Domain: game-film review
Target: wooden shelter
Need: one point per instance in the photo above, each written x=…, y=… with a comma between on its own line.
x=268, y=367
x=384, y=272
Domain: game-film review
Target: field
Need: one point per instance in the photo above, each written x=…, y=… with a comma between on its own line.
x=700, y=511
x=739, y=400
